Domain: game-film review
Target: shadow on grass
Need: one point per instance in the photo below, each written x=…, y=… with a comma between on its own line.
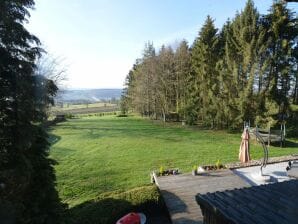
x=290, y=144
x=286, y=144
x=109, y=210
x=104, y=211
x=53, y=139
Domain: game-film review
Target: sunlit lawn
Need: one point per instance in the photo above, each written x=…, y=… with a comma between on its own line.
x=66, y=107
x=97, y=155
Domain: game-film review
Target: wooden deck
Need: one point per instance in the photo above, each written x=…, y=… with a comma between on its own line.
x=179, y=192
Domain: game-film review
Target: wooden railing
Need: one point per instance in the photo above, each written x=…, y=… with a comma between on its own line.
x=269, y=136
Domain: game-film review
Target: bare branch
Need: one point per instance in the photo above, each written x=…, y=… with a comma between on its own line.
x=53, y=68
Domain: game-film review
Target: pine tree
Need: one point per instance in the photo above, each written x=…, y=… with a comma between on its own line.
x=27, y=179
x=182, y=72
x=242, y=60
x=282, y=32
x=226, y=99
x=204, y=58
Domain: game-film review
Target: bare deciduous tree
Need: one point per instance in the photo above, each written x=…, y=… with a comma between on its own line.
x=52, y=68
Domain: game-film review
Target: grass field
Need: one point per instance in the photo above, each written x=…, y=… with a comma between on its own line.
x=90, y=108
x=99, y=155
x=67, y=106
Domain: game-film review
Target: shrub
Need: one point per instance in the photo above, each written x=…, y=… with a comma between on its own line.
x=69, y=116
x=218, y=164
x=122, y=115
x=161, y=170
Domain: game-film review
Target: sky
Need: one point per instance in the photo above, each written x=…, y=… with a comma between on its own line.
x=99, y=40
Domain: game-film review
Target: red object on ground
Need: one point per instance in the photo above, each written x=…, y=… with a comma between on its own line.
x=130, y=218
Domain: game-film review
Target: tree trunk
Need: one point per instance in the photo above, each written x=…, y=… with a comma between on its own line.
x=295, y=92
x=164, y=116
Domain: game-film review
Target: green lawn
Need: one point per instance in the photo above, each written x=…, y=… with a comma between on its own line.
x=82, y=106
x=100, y=155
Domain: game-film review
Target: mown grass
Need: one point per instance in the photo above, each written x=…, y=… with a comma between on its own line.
x=82, y=106
x=99, y=155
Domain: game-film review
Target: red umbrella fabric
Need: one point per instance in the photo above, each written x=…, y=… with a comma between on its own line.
x=244, y=147
x=132, y=218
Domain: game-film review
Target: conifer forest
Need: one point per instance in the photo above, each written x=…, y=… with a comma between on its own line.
x=244, y=72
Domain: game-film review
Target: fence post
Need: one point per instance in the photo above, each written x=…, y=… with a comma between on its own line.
x=256, y=132
x=269, y=135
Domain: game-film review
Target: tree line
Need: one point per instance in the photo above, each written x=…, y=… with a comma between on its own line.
x=245, y=71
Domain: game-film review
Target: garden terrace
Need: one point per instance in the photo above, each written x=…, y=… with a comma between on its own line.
x=179, y=192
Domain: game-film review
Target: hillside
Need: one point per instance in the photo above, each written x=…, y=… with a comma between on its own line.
x=89, y=95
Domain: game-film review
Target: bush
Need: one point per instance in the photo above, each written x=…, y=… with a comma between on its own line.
x=69, y=116
x=122, y=115
x=292, y=128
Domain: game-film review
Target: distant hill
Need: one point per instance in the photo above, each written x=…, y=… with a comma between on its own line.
x=89, y=95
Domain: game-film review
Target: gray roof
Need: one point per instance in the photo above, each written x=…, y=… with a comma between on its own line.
x=272, y=203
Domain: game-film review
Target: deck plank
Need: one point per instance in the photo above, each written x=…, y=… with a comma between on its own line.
x=179, y=192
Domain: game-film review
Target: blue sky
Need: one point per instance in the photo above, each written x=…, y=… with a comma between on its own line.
x=100, y=39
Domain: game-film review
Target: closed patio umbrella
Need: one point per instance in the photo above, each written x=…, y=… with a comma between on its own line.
x=244, y=147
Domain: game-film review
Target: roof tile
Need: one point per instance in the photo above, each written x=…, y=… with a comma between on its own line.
x=272, y=203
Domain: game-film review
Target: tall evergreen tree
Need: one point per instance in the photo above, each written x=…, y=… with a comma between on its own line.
x=204, y=58
x=242, y=60
x=27, y=180
x=282, y=32
x=182, y=72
